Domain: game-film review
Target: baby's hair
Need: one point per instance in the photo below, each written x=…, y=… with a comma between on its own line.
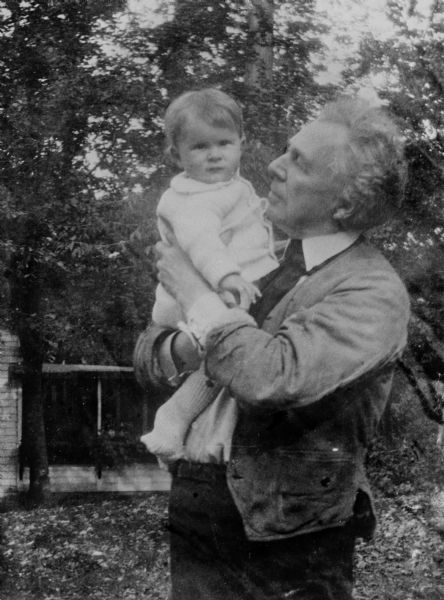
x=214, y=107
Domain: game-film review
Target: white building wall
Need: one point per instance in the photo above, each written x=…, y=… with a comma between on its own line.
x=63, y=478
x=10, y=415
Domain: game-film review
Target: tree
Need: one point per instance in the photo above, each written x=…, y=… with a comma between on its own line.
x=259, y=63
x=81, y=100
x=260, y=52
x=43, y=125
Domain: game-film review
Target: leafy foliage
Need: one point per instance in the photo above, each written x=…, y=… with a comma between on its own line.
x=404, y=561
x=408, y=67
x=118, y=448
x=405, y=458
x=82, y=92
x=61, y=229
x=82, y=154
x=52, y=221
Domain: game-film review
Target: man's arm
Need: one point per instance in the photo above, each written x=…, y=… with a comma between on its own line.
x=358, y=323
x=162, y=357
x=359, y=327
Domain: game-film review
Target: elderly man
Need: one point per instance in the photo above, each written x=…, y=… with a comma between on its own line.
x=272, y=493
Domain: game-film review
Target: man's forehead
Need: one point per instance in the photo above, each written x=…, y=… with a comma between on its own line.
x=316, y=136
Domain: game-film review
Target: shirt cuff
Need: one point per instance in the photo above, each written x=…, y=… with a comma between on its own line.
x=166, y=362
x=207, y=313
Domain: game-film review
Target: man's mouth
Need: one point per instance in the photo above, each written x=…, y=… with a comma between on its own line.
x=273, y=197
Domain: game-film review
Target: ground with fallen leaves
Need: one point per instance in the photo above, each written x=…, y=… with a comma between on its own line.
x=117, y=549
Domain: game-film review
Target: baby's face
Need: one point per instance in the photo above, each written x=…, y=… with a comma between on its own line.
x=207, y=153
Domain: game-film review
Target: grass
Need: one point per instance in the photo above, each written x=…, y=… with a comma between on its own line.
x=102, y=548
x=118, y=549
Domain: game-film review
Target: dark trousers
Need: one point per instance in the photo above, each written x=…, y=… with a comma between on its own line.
x=211, y=558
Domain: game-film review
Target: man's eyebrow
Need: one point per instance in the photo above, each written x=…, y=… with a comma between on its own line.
x=287, y=146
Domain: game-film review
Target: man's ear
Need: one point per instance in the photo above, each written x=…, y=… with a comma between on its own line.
x=243, y=142
x=343, y=210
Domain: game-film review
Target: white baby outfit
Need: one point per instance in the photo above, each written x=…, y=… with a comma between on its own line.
x=222, y=229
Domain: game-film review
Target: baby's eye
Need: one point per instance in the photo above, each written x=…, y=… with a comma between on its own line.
x=199, y=147
x=224, y=142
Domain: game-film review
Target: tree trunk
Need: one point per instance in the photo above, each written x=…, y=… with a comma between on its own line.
x=25, y=295
x=423, y=364
x=34, y=439
x=259, y=69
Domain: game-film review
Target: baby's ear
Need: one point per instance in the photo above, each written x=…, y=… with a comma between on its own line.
x=243, y=142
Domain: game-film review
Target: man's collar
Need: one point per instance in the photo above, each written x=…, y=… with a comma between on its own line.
x=322, y=247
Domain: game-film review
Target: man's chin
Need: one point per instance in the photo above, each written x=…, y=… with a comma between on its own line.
x=273, y=217
x=271, y=212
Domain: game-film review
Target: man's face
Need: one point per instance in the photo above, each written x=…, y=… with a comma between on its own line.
x=302, y=197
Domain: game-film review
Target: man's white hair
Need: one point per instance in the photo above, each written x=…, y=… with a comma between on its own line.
x=370, y=168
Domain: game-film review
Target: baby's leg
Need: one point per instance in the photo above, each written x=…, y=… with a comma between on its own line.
x=166, y=311
x=174, y=418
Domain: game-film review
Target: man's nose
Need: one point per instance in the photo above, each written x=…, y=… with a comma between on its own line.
x=277, y=168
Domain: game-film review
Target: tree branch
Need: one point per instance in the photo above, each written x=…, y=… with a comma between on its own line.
x=422, y=374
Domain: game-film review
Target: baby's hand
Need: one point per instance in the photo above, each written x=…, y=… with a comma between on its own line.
x=236, y=291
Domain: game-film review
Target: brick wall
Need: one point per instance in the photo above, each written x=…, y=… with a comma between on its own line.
x=10, y=417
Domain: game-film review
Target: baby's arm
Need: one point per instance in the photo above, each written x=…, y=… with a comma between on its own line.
x=237, y=291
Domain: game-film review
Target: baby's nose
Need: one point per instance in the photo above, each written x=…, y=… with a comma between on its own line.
x=214, y=153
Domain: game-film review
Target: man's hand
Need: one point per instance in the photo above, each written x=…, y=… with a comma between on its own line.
x=236, y=291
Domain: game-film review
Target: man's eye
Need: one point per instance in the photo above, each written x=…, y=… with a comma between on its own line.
x=299, y=161
x=224, y=142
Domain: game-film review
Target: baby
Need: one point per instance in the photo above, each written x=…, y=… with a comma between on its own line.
x=219, y=222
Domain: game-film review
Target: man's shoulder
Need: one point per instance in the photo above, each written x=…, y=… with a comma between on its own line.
x=365, y=265
x=365, y=253
x=361, y=268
